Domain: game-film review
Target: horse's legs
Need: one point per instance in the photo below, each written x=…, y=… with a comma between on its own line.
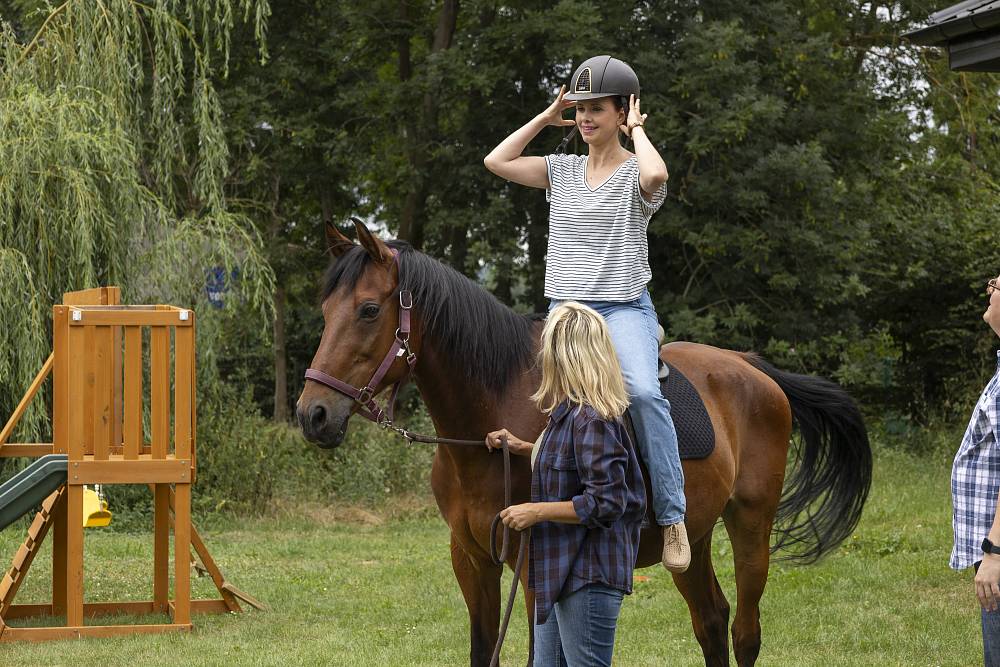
x=479, y=580
x=749, y=527
x=707, y=603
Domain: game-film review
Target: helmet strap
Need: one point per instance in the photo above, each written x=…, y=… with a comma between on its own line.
x=561, y=148
x=628, y=137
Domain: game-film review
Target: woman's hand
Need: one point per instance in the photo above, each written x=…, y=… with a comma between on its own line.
x=635, y=116
x=554, y=114
x=515, y=445
x=988, y=582
x=521, y=516
x=507, y=161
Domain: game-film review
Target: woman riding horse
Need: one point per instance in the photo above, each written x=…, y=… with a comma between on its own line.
x=599, y=208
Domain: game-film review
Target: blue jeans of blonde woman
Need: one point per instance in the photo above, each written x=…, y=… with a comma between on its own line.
x=580, y=629
x=635, y=333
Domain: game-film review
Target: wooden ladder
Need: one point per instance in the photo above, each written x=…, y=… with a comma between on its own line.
x=14, y=577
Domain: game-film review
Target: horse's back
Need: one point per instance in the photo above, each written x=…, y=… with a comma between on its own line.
x=752, y=422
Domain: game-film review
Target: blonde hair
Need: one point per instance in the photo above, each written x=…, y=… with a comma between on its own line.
x=579, y=363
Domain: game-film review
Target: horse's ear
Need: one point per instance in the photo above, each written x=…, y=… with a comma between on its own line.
x=375, y=246
x=336, y=243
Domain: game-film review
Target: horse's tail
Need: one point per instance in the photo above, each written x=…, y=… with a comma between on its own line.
x=823, y=498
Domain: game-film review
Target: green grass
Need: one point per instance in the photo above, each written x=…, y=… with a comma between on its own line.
x=350, y=588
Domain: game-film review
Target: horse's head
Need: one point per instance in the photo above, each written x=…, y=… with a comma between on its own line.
x=361, y=313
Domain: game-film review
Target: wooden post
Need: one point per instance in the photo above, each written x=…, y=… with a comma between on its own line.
x=60, y=445
x=60, y=380
x=159, y=406
x=87, y=361
x=78, y=365
x=103, y=362
x=183, y=394
x=59, y=532
x=117, y=400
x=133, y=393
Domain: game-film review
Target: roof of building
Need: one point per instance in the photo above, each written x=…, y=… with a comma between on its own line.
x=965, y=19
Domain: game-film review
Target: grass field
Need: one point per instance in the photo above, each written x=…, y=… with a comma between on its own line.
x=349, y=587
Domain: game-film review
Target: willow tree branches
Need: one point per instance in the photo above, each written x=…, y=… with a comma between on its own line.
x=112, y=164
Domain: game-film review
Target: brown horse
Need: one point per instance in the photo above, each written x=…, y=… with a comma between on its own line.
x=474, y=369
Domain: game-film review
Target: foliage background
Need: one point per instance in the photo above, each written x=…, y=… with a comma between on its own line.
x=833, y=190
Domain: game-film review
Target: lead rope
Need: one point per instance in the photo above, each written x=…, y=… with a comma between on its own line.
x=522, y=549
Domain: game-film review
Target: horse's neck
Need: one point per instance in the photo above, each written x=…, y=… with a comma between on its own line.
x=461, y=407
x=458, y=407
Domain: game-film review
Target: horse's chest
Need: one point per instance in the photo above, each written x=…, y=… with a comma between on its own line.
x=469, y=498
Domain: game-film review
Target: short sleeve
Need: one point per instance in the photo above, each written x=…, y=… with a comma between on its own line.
x=649, y=207
x=556, y=165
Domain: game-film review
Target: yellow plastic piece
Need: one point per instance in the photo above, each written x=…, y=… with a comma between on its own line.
x=95, y=510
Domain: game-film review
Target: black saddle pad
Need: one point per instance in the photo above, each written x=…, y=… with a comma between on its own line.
x=695, y=433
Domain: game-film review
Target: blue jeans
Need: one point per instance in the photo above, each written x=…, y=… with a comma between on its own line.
x=580, y=629
x=634, y=332
x=991, y=634
x=991, y=638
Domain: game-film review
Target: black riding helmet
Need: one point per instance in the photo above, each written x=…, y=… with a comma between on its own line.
x=601, y=76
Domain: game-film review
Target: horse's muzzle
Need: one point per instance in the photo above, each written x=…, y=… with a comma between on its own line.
x=323, y=423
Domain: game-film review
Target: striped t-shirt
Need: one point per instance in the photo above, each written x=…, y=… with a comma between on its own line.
x=597, y=237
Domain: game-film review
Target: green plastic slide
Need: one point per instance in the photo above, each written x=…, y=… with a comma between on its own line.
x=27, y=489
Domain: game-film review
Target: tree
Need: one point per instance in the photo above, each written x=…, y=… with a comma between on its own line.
x=826, y=206
x=111, y=167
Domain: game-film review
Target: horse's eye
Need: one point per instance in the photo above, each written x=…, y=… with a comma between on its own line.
x=369, y=311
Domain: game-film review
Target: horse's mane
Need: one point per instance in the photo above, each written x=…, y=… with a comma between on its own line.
x=480, y=337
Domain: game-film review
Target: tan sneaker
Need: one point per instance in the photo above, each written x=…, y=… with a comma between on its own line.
x=676, y=550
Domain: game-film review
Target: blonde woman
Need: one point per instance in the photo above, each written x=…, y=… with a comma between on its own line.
x=587, y=492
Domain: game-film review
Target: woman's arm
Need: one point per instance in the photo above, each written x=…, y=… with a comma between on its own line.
x=987, y=580
x=988, y=575
x=652, y=169
x=600, y=460
x=526, y=515
x=506, y=160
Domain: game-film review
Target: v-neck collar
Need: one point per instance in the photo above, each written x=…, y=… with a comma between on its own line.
x=586, y=164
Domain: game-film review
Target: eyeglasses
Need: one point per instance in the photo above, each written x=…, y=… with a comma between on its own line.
x=992, y=286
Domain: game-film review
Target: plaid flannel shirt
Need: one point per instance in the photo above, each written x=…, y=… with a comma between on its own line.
x=975, y=477
x=592, y=462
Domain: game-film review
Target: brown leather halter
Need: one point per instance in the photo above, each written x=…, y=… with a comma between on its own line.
x=365, y=397
x=367, y=407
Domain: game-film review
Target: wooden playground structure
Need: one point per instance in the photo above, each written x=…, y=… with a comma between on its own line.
x=98, y=407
